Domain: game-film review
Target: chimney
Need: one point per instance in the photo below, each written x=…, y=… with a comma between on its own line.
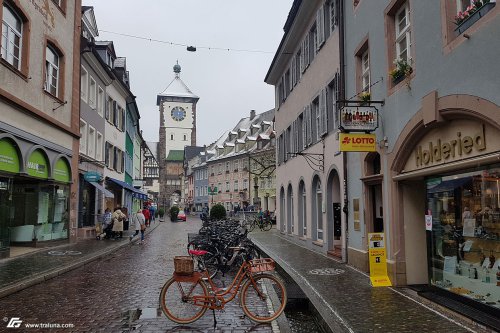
x=252, y=114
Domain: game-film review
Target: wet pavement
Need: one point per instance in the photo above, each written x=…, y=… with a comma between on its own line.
x=117, y=293
x=344, y=298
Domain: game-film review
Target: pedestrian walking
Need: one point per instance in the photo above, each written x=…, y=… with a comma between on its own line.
x=152, y=217
x=145, y=212
x=140, y=225
x=108, y=223
x=118, y=218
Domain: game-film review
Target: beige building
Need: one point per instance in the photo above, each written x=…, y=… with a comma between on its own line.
x=309, y=176
x=39, y=127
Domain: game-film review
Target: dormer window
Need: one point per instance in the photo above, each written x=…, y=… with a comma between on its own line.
x=109, y=60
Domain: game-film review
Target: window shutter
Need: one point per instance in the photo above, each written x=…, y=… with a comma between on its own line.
x=324, y=112
x=302, y=59
x=115, y=111
x=309, y=125
x=123, y=119
x=320, y=27
x=336, y=90
x=293, y=77
x=106, y=108
x=296, y=135
x=106, y=154
x=304, y=129
x=336, y=18
x=115, y=160
x=123, y=160
x=307, y=51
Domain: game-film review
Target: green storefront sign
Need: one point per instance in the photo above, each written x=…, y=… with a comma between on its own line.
x=38, y=166
x=62, y=171
x=9, y=160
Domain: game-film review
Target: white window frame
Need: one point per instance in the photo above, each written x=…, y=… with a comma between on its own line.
x=333, y=14
x=403, y=33
x=100, y=100
x=91, y=141
x=99, y=146
x=83, y=137
x=84, y=84
x=92, y=93
x=9, y=34
x=365, y=71
x=50, y=68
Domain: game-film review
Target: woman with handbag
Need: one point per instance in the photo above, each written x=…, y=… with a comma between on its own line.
x=140, y=224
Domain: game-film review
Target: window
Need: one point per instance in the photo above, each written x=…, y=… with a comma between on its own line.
x=227, y=166
x=403, y=33
x=92, y=93
x=206, y=190
x=185, y=137
x=365, y=72
x=333, y=15
x=228, y=187
x=171, y=137
x=236, y=165
x=84, y=85
x=91, y=142
x=313, y=46
x=83, y=137
x=109, y=60
x=12, y=32
x=51, y=71
x=100, y=101
x=98, y=148
x=316, y=115
x=109, y=109
x=236, y=189
x=319, y=210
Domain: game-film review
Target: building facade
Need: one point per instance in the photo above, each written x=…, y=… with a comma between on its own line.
x=151, y=173
x=438, y=145
x=310, y=172
x=39, y=124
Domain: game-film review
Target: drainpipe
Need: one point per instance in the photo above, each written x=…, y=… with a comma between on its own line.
x=345, y=234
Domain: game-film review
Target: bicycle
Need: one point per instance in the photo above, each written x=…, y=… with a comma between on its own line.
x=185, y=298
x=261, y=222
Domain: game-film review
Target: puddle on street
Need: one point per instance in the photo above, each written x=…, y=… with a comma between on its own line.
x=129, y=317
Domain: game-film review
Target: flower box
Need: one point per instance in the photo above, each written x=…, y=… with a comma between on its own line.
x=469, y=21
x=397, y=79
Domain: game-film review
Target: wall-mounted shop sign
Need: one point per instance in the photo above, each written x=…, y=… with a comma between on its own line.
x=359, y=119
x=92, y=176
x=38, y=166
x=62, y=171
x=450, y=148
x=357, y=142
x=378, y=265
x=9, y=160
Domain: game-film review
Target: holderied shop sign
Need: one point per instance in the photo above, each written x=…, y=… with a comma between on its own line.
x=461, y=139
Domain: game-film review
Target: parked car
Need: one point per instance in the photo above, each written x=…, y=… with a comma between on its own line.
x=181, y=216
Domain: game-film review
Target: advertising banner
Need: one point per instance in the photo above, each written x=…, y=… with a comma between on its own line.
x=359, y=118
x=378, y=265
x=358, y=142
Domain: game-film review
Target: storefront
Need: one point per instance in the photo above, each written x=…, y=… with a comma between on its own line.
x=34, y=194
x=447, y=191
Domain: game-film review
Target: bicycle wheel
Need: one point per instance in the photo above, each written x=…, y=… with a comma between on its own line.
x=266, y=225
x=264, y=299
x=176, y=300
x=252, y=225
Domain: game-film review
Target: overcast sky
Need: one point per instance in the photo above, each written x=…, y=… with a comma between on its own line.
x=229, y=83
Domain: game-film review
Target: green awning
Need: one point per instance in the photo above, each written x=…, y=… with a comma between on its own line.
x=9, y=159
x=38, y=165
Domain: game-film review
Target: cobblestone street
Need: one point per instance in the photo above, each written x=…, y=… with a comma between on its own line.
x=120, y=293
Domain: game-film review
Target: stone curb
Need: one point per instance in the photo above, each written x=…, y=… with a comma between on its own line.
x=52, y=273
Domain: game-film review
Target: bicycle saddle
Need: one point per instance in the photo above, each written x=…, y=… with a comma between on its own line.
x=198, y=252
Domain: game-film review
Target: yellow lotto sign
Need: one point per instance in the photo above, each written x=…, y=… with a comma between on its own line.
x=358, y=142
x=378, y=265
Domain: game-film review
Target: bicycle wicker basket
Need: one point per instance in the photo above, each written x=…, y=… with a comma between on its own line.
x=183, y=265
x=262, y=265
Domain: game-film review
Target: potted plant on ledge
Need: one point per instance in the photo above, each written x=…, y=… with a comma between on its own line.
x=365, y=97
x=472, y=14
x=403, y=69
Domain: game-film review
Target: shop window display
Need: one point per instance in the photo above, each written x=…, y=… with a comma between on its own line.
x=465, y=236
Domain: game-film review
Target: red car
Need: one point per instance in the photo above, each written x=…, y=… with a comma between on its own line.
x=181, y=216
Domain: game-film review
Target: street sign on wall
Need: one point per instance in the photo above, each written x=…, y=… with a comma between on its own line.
x=359, y=119
x=357, y=142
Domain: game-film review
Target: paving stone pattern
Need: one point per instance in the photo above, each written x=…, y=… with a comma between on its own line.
x=119, y=293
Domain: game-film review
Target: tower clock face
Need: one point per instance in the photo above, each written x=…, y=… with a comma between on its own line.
x=178, y=113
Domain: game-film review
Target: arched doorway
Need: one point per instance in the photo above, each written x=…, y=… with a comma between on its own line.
x=334, y=214
x=301, y=201
x=317, y=209
x=290, y=211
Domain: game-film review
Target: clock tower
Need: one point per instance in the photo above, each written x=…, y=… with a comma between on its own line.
x=177, y=106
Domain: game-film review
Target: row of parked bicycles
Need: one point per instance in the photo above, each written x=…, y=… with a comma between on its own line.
x=220, y=247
